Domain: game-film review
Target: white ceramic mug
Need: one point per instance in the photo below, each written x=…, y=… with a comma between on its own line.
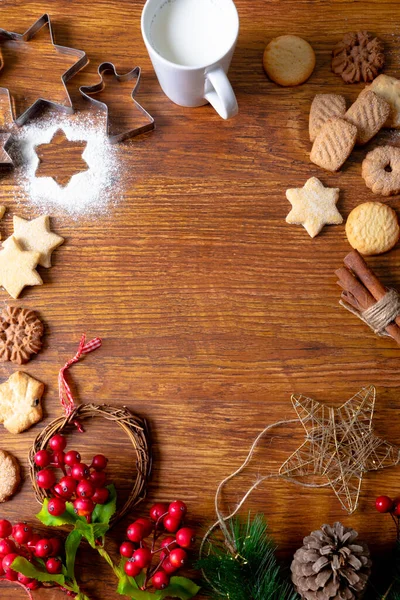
x=191, y=44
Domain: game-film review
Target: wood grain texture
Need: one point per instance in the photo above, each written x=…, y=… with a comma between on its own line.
x=213, y=310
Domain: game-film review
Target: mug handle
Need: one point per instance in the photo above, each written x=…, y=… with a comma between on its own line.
x=220, y=94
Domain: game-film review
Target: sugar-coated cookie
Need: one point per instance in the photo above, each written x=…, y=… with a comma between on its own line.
x=381, y=170
x=289, y=60
x=20, y=402
x=333, y=144
x=323, y=108
x=372, y=228
x=10, y=476
x=368, y=113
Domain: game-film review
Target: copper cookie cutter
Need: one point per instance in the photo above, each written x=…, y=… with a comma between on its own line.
x=88, y=91
x=5, y=159
x=69, y=73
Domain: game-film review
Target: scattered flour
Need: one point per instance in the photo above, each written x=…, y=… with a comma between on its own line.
x=88, y=192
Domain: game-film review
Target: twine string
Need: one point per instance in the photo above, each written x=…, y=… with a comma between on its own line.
x=64, y=390
x=381, y=314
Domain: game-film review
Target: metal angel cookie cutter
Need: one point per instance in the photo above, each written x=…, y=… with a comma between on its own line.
x=89, y=91
x=69, y=73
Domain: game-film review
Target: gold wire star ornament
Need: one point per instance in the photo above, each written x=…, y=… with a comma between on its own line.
x=340, y=445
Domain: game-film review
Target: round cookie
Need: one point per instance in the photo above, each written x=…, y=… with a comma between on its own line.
x=289, y=60
x=372, y=228
x=10, y=476
x=381, y=170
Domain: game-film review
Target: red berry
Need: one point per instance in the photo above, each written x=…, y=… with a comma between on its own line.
x=396, y=509
x=158, y=510
x=177, y=509
x=54, y=566
x=99, y=462
x=135, y=532
x=185, y=537
x=384, y=504
x=33, y=541
x=98, y=478
x=56, y=545
x=101, y=496
x=58, y=458
x=6, y=564
x=5, y=528
x=80, y=471
x=132, y=569
x=22, y=533
x=45, y=479
x=169, y=542
x=178, y=557
x=146, y=524
x=84, y=489
x=24, y=579
x=142, y=557
x=6, y=547
x=127, y=549
x=43, y=548
x=72, y=457
x=83, y=507
x=160, y=580
x=68, y=486
x=171, y=524
x=58, y=442
x=168, y=566
x=33, y=585
x=42, y=458
x=56, y=507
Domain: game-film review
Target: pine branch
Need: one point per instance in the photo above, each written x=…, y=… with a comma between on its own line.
x=254, y=573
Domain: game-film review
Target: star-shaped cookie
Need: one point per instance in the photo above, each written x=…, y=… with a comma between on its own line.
x=17, y=267
x=36, y=236
x=313, y=206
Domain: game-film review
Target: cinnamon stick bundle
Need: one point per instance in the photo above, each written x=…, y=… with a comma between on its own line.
x=362, y=289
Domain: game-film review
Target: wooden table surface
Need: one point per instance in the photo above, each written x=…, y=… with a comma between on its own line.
x=212, y=310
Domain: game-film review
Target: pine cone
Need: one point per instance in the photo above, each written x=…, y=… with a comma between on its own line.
x=358, y=57
x=331, y=565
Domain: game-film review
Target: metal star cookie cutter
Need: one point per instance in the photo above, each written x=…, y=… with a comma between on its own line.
x=88, y=91
x=5, y=159
x=69, y=73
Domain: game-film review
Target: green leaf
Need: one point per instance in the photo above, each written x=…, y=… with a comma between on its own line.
x=179, y=587
x=67, y=518
x=127, y=586
x=103, y=512
x=25, y=567
x=71, y=547
x=91, y=531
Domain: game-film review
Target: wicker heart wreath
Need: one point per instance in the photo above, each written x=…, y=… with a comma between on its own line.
x=134, y=427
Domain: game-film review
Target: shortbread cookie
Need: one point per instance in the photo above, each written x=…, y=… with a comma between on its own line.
x=17, y=267
x=21, y=333
x=289, y=60
x=323, y=108
x=313, y=206
x=368, y=113
x=36, y=236
x=381, y=170
x=10, y=475
x=388, y=88
x=20, y=402
x=358, y=57
x=333, y=144
x=372, y=228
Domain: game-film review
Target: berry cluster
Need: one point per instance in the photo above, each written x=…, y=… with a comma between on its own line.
x=81, y=484
x=28, y=545
x=384, y=504
x=171, y=553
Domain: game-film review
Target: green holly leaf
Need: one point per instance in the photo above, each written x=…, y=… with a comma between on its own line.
x=179, y=587
x=91, y=531
x=25, y=567
x=67, y=518
x=127, y=586
x=103, y=512
x=71, y=547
